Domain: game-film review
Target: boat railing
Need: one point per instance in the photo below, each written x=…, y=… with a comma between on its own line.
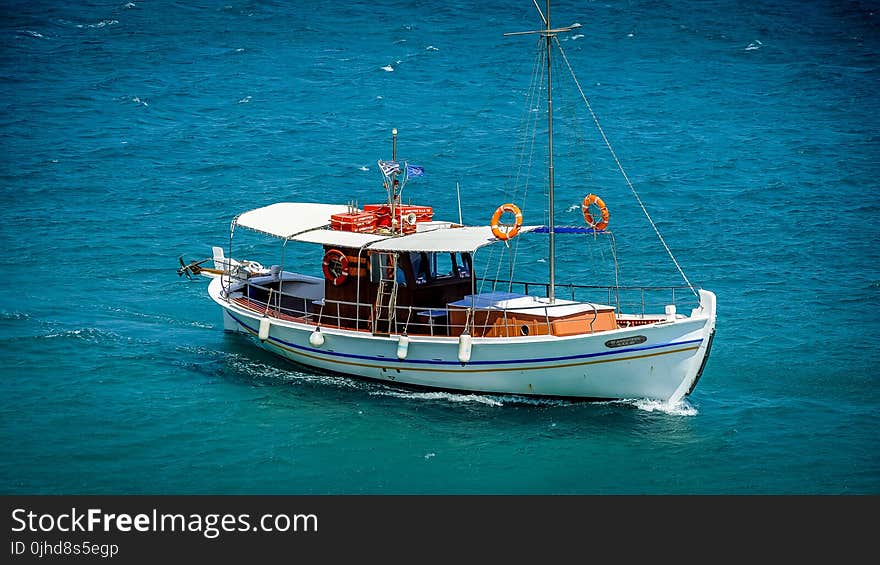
x=628, y=300
x=643, y=305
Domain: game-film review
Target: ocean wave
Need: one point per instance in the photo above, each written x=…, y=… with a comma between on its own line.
x=102, y=23
x=6, y=315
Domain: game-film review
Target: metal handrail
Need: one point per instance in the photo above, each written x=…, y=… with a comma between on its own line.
x=308, y=315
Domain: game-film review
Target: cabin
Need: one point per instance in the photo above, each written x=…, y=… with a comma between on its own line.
x=393, y=292
x=418, y=282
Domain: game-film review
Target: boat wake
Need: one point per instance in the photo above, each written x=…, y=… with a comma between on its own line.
x=487, y=399
x=444, y=396
x=246, y=368
x=259, y=372
x=87, y=335
x=680, y=408
x=164, y=320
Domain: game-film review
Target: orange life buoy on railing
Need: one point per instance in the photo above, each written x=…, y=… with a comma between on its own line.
x=335, y=266
x=588, y=217
x=496, y=217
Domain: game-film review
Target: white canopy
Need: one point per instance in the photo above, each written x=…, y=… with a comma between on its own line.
x=307, y=222
x=455, y=239
x=286, y=219
x=340, y=238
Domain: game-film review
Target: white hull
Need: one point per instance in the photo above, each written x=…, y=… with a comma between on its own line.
x=665, y=366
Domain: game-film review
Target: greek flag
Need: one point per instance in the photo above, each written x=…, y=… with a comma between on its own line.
x=389, y=167
x=414, y=171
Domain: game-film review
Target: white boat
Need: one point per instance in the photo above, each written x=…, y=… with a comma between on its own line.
x=397, y=299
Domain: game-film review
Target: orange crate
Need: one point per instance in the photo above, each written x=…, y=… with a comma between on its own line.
x=382, y=213
x=356, y=222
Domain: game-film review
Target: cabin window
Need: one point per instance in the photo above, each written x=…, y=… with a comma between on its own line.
x=433, y=266
x=462, y=261
x=443, y=265
x=420, y=267
x=401, y=277
x=380, y=266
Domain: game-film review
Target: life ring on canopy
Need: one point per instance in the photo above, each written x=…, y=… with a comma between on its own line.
x=335, y=266
x=496, y=217
x=588, y=217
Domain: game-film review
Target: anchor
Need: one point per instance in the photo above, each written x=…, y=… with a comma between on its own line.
x=192, y=269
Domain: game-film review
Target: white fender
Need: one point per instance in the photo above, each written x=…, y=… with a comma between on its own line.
x=402, y=347
x=316, y=338
x=464, y=348
x=265, y=324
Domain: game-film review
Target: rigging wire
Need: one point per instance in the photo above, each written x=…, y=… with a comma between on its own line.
x=620, y=167
x=526, y=149
x=531, y=124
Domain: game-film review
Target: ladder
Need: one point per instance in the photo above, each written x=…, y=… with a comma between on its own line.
x=384, y=314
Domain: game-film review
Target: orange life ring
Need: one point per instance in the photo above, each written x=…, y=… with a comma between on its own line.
x=588, y=217
x=497, y=231
x=335, y=266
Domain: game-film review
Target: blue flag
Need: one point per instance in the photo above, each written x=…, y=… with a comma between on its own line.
x=414, y=171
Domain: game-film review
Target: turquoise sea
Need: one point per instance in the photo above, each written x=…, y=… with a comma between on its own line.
x=132, y=133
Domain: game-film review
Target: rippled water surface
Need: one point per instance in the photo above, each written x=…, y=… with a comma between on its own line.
x=132, y=133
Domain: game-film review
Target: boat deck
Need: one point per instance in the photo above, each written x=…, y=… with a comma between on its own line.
x=489, y=320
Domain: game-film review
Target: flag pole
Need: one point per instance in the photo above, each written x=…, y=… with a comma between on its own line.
x=392, y=193
x=458, y=194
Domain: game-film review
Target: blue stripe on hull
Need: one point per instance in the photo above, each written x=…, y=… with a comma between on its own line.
x=386, y=360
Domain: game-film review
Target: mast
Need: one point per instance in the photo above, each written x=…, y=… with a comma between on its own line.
x=548, y=37
x=549, y=33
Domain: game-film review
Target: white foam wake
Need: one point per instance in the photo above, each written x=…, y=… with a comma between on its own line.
x=446, y=396
x=680, y=408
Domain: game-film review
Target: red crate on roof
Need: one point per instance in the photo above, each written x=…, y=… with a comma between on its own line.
x=355, y=222
x=423, y=213
x=382, y=213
